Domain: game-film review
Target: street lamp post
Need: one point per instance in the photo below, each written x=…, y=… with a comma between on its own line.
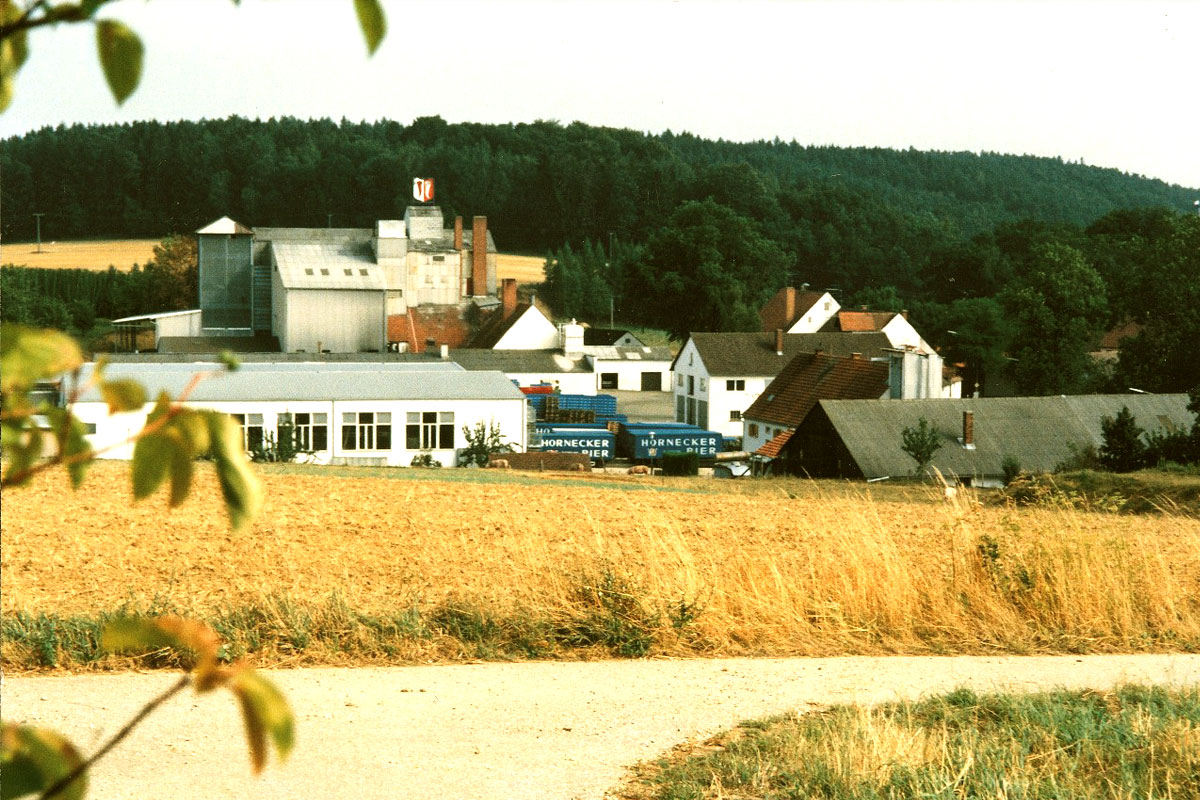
x=38, y=217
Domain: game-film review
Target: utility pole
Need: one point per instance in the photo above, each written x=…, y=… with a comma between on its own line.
x=38, y=217
x=329, y=220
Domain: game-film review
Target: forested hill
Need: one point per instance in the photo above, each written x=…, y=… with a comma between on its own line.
x=541, y=184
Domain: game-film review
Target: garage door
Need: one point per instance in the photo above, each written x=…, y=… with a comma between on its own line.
x=652, y=382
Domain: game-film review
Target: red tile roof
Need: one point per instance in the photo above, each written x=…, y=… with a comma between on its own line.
x=773, y=448
x=810, y=377
x=862, y=320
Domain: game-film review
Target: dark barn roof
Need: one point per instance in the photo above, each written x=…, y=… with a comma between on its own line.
x=732, y=354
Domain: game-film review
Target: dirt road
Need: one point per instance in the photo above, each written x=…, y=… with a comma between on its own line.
x=503, y=731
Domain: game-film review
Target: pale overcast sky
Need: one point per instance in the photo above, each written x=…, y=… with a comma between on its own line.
x=1115, y=84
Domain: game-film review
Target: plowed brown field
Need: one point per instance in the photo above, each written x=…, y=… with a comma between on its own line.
x=769, y=572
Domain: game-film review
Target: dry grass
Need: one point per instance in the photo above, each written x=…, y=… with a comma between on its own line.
x=694, y=567
x=526, y=269
x=98, y=255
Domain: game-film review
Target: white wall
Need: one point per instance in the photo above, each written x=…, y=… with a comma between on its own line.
x=713, y=391
x=114, y=431
x=629, y=373
x=531, y=331
x=342, y=321
x=184, y=324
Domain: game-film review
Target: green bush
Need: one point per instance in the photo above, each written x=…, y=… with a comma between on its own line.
x=680, y=463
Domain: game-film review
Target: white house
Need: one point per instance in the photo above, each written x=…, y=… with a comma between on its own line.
x=796, y=311
x=379, y=414
x=718, y=375
x=630, y=368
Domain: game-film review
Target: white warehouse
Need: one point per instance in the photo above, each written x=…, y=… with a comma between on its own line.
x=370, y=414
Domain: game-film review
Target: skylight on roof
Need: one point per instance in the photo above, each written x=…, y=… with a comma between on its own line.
x=349, y=273
x=324, y=272
x=362, y=272
x=308, y=272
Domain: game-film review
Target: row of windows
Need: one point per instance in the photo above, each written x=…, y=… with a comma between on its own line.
x=731, y=385
x=361, y=430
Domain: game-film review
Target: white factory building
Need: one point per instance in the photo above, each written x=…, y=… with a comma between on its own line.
x=370, y=414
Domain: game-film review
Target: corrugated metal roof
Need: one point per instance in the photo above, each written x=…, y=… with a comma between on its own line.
x=226, y=225
x=546, y=361
x=809, y=377
x=294, y=384
x=1038, y=431
x=753, y=354
x=306, y=265
x=627, y=353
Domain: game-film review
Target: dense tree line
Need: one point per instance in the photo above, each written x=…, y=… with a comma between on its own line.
x=846, y=213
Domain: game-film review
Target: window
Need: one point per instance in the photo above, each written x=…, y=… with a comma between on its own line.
x=311, y=430
x=89, y=428
x=439, y=259
x=608, y=380
x=735, y=416
x=366, y=430
x=252, y=431
x=691, y=384
x=429, y=430
x=704, y=384
x=679, y=380
x=753, y=431
x=735, y=385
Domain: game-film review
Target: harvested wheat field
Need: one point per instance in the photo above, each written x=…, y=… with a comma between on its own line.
x=99, y=254
x=427, y=565
x=526, y=269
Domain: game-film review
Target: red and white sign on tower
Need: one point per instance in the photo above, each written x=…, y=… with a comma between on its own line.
x=423, y=189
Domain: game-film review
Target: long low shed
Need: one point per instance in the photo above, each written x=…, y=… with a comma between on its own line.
x=364, y=414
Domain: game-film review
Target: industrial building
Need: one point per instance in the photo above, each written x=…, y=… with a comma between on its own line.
x=356, y=413
x=337, y=289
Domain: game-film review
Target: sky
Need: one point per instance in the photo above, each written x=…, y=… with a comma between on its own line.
x=1112, y=84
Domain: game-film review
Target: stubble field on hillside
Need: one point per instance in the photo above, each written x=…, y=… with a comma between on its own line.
x=344, y=569
x=124, y=253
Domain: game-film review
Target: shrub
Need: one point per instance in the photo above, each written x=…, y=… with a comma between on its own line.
x=921, y=442
x=1010, y=468
x=1123, y=449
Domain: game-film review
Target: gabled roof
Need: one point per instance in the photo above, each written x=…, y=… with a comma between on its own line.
x=326, y=265
x=1039, y=432
x=810, y=377
x=228, y=226
x=604, y=336
x=753, y=354
x=858, y=321
x=496, y=325
x=775, y=313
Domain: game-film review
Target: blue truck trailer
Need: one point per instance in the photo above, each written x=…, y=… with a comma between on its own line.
x=647, y=441
x=595, y=441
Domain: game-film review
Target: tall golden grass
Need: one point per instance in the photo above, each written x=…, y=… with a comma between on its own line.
x=697, y=567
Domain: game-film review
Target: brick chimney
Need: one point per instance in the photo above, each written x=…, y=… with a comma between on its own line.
x=479, y=256
x=458, y=233
x=968, y=436
x=779, y=341
x=904, y=313
x=508, y=297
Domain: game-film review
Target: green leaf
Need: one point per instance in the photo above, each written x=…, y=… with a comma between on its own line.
x=151, y=455
x=239, y=485
x=146, y=634
x=121, y=53
x=123, y=395
x=71, y=435
x=23, y=445
x=266, y=713
x=27, y=355
x=34, y=759
x=372, y=22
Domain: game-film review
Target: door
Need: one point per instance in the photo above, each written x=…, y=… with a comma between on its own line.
x=652, y=382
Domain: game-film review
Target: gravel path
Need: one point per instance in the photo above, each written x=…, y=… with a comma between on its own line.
x=531, y=730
